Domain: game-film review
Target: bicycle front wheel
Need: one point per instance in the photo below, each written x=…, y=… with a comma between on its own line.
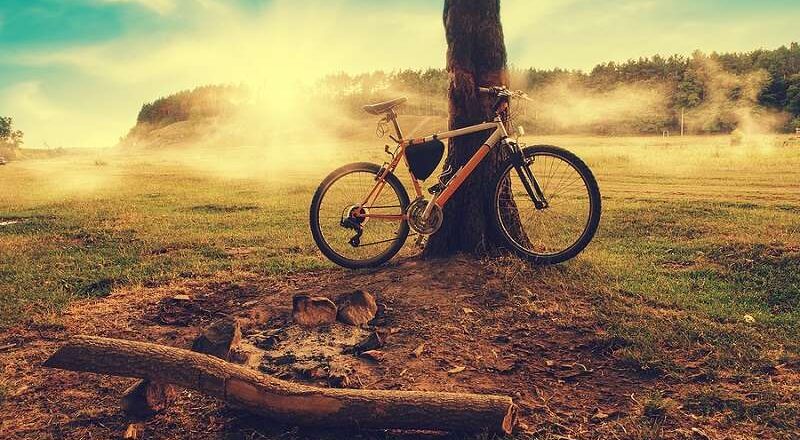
x=356, y=236
x=563, y=223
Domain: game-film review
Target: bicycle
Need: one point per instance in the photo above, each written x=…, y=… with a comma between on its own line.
x=538, y=211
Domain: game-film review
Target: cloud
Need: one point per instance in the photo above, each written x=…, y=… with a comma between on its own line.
x=287, y=40
x=283, y=45
x=26, y=98
x=161, y=7
x=279, y=51
x=47, y=120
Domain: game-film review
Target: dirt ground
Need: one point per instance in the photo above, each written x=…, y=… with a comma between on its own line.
x=542, y=346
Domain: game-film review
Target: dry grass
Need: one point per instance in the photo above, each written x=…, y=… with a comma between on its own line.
x=693, y=277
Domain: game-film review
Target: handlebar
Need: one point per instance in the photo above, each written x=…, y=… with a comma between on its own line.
x=502, y=91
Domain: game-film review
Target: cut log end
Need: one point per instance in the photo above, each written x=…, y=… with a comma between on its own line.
x=510, y=420
x=145, y=399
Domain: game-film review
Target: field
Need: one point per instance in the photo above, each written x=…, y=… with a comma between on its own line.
x=689, y=295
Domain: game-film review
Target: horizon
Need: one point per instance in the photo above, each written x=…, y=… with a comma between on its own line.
x=76, y=75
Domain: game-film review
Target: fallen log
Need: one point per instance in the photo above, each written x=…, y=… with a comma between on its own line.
x=285, y=401
x=145, y=398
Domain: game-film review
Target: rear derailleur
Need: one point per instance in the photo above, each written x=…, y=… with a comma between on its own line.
x=350, y=221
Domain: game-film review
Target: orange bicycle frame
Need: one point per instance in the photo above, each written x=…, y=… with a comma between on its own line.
x=455, y=182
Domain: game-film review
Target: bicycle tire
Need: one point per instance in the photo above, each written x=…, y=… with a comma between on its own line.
x=319, y=236
x=594, y=211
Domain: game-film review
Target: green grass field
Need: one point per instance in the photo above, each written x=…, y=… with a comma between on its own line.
x=695, y=225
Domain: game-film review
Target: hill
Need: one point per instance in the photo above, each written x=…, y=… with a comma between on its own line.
x=753, y=92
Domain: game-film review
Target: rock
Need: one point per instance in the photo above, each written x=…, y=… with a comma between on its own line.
x=316, y=372
x=341, y=377
x=268, y=340
x=505, y=366
x=219, y=338
x=373, y=355
x=371, y=342
x=240, y=355
x=286, y=359
x=356, y=308
x=502, y=339
x=313, y=311
x=182, y=297
x=456, y=370
x=133, y=431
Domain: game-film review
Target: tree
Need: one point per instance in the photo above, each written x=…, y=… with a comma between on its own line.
x=793, y=95
x=8, y=136
x=476, y=56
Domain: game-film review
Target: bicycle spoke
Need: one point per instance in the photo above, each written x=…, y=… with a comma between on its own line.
x=378, y=235
x=559, y=226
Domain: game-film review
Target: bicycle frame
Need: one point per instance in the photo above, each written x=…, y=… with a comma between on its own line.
x=454, y=183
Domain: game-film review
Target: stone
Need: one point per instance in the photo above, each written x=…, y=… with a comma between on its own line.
x=356, y=308
x=373, y=355
x=312, y=311
x=219, y=338
x=371, y=342
x=133, y=431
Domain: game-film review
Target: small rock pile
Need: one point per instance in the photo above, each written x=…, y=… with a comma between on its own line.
x=326, y=342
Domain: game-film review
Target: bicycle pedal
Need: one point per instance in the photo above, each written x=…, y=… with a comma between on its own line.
x=436, y=189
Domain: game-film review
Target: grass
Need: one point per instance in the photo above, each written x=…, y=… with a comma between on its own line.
x=694, y=273
x=705, y=230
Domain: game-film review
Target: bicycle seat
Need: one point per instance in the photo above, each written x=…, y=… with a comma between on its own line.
x=383, y=107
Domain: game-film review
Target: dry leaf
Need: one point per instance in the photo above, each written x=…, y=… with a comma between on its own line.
x=418, y=351
x=456, y=370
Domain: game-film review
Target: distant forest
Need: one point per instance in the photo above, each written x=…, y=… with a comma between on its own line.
x=712, y=93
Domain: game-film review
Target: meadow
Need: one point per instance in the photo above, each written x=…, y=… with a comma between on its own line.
x=703, y=230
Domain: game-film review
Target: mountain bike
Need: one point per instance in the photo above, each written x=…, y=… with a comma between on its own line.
x=545, y=203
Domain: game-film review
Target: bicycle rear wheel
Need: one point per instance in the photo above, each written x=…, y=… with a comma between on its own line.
x=562, y=228
x=336, y=217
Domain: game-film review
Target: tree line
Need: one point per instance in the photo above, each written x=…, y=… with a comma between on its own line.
x=712, y=89
x=700, y=93
x=201, y=102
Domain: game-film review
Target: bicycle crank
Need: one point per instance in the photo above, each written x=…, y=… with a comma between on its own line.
x=416, y=217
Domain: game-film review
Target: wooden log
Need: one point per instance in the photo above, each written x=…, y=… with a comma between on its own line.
x=285, y=401
x=146, y=398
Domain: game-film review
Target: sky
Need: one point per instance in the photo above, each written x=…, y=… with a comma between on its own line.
x=74, y=73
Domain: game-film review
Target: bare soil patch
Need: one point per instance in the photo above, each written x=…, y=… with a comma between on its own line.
x=450, y=325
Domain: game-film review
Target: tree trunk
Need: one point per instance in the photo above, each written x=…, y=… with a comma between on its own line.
x=284, y=401
x=476, y=56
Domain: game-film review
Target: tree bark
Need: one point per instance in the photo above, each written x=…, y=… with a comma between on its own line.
x=476, y=56
x=284, y=401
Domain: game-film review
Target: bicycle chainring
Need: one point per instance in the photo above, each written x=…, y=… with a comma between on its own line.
x=425, y=227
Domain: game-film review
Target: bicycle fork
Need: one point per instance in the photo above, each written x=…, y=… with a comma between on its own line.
x=528, y=179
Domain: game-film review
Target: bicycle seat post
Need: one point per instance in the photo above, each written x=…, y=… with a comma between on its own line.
x=392, y=116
